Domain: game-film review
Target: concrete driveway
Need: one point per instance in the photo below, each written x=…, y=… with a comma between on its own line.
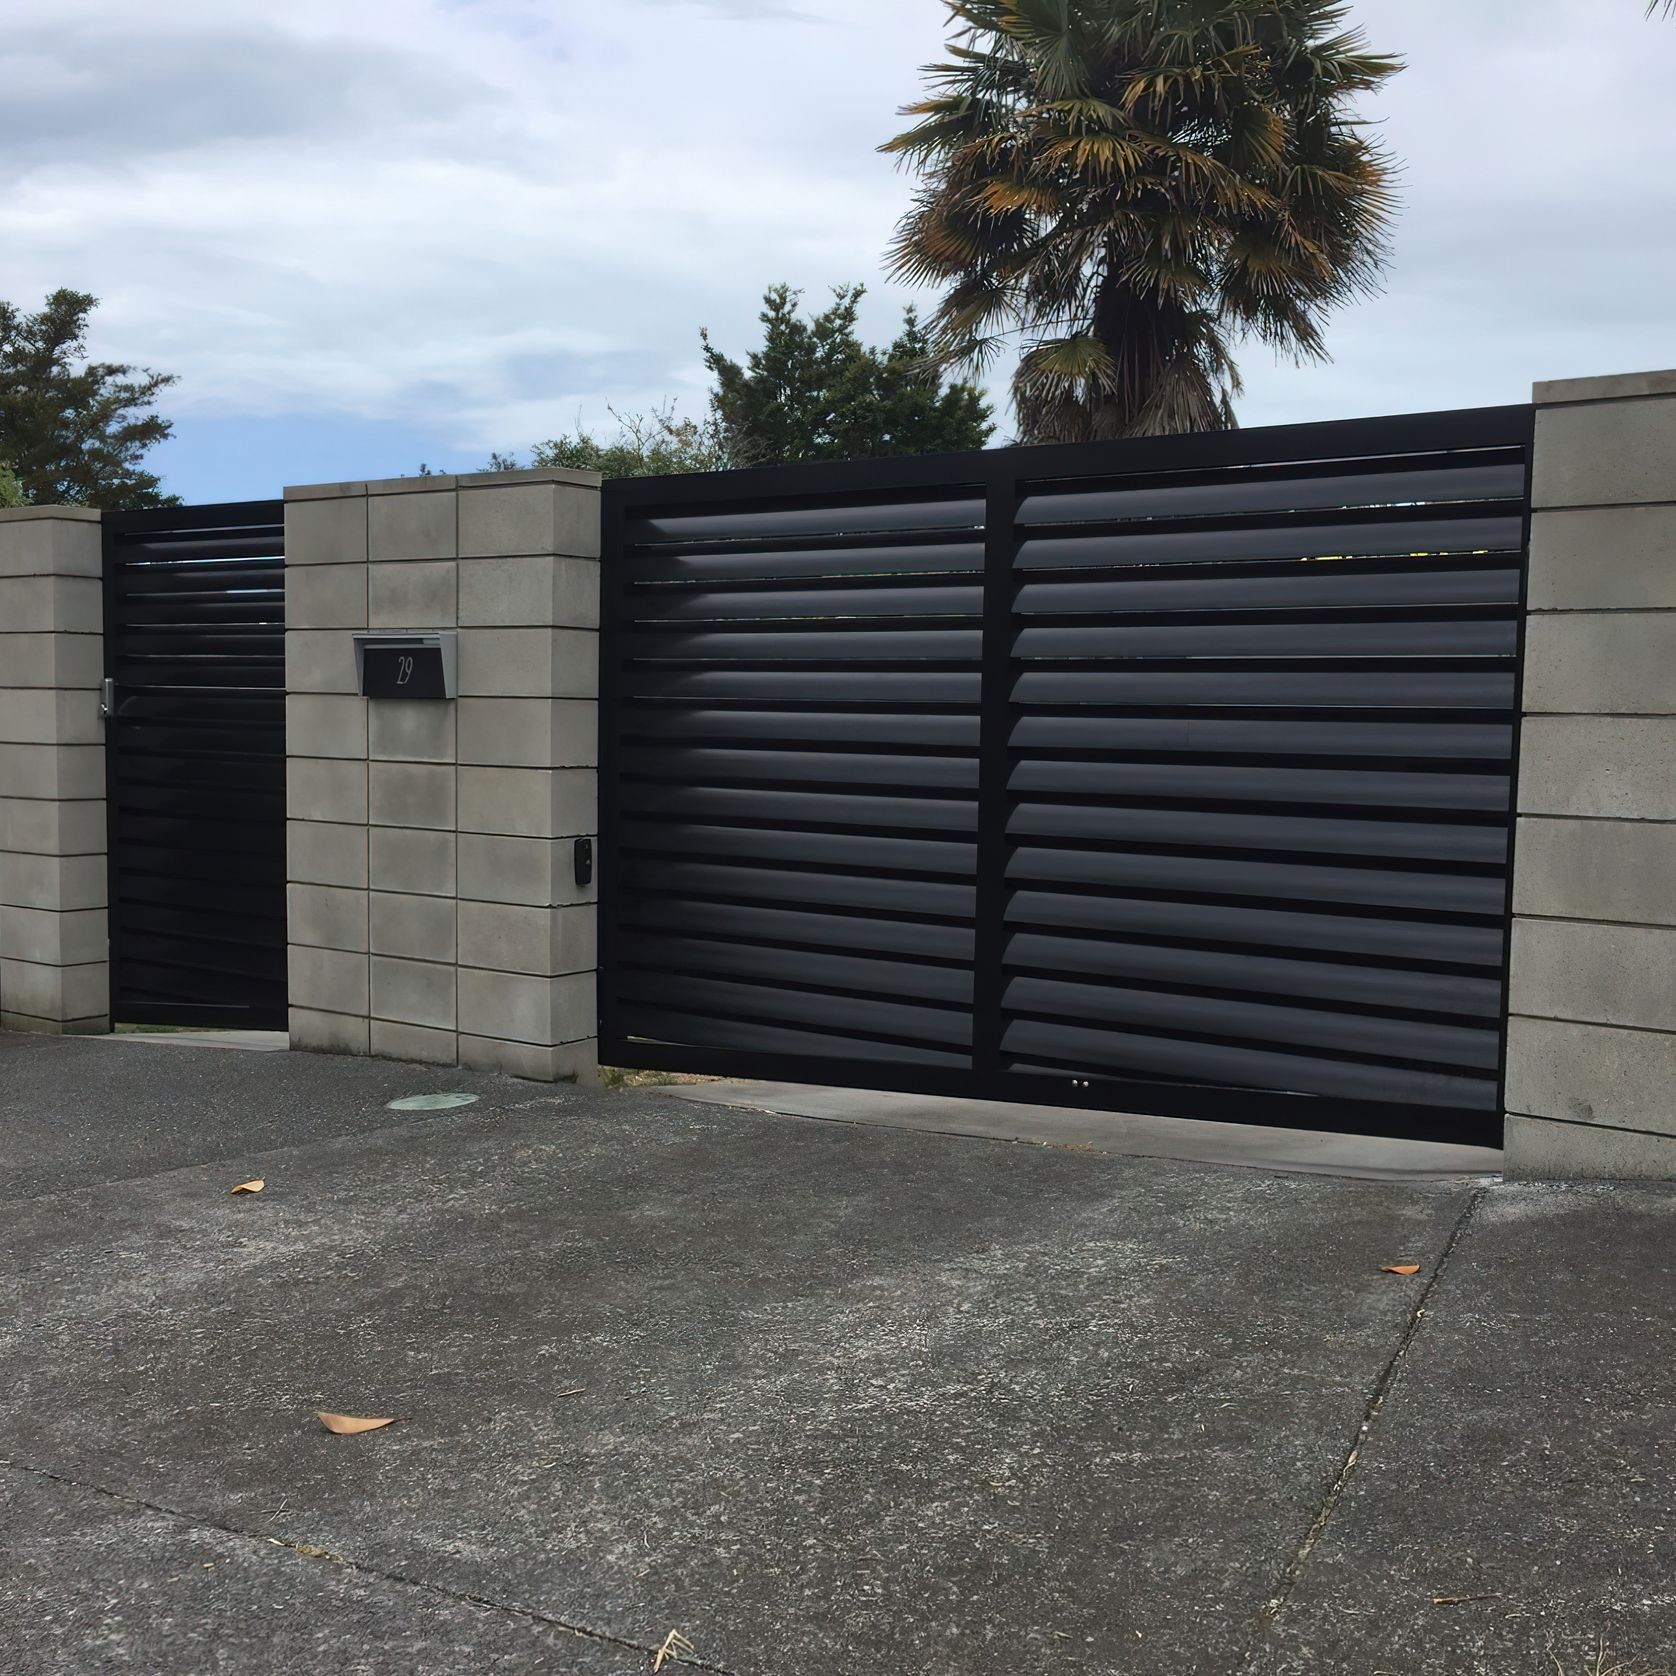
x=820, y=1398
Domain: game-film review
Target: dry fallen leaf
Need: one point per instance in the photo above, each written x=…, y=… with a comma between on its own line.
x=255, y=1185
x=674, y=1645
x=1460, y=1600
x=1399, y=1268
x=351, y=1425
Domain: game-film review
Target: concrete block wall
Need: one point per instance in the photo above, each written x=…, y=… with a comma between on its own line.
x=54, y=934
x=1591, y=1084
x=434, y=914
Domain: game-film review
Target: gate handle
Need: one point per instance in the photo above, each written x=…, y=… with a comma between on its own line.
x=107, y=698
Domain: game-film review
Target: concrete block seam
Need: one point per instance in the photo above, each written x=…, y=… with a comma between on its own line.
x=1593, y=1128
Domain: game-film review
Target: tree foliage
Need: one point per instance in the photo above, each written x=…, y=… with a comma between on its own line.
x=73, y=431
x=11, y=491
x=812, y=391
x=656, y=444
x=1129, y=186
x=815, y=391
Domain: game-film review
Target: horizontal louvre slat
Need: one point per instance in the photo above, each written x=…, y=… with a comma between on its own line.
x=234, y=976
x=1317, y=542
x=199, y=895
x=260, y=875
x=758, y=523
x=1325, y=636
x=709, y=765
x=1238, y=926
x=248, y=839
x=921, y=1026
x=1337, y=587
x=848, y=851
x=237, y=930
x=255, y=642
x=676, y=915
x=206, y=581
x=923, y=558
x=858, y=645
x=1301, y=835
x=249, y=707
x=1202, y=782
x=178, y=757
x=807, y=969
x=1180, y=1013
x=206, y=956
x=1375, y=985
x=1116, y=1052
x=910, y=897
x=804, y=686
x=1229, y=876
x=213, y=673
x=252, y=614
x=1346, y=689
x=1259, y=490
x=657, y=605
x=755, y=1035
x=184, y=992
x=213, y=546
x=674, y=800
x=819, y=727
x=1401, y=734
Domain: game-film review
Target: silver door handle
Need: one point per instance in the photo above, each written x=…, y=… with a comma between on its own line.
x=107, y=698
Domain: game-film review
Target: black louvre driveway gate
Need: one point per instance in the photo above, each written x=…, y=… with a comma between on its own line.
x=195, y=739
x=1168, y=776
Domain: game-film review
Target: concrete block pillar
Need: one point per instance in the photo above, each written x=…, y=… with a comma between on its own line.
x=54, y=933
x=1591, y=1087
x=434, y=909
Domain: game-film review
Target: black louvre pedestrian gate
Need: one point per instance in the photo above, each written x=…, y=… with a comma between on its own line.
x=1170, y=775
x=195, y=654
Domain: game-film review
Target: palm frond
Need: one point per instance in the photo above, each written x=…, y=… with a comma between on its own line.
x=1127, y=186
x=1002, y=196
x=1050, y=35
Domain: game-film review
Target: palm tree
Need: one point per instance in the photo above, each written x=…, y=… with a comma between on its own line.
x=1130, y=185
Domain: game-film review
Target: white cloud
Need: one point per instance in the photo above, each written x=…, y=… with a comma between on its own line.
x=487, y=216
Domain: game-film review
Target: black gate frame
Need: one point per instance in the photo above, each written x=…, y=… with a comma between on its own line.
x=999, y=472
x=181, y=520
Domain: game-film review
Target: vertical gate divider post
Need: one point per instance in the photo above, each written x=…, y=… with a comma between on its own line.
x=995, y=719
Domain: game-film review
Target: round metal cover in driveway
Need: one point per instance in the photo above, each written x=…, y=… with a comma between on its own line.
x=431, y=1102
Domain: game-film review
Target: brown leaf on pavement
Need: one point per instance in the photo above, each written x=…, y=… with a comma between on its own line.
x=352, y=1425
x=255, y=1185
x=1399, y=1268
x=674, y=1645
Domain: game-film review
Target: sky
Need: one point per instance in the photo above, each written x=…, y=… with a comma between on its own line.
x=397, y=232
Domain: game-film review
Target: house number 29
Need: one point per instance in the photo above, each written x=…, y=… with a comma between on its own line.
x=404, y=671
